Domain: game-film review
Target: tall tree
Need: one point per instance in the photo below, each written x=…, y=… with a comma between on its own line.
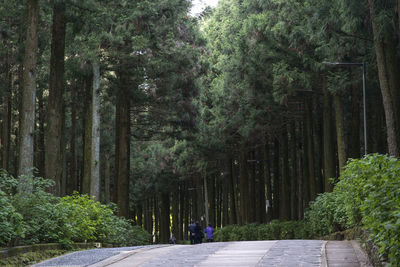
x=25, y=159
x=91, y=167
x=54, y=114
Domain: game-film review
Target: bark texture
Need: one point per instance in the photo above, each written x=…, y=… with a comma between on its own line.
x=26, y=135
x=53, y=134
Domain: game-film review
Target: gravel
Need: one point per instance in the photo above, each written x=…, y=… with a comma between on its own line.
x=86, y=257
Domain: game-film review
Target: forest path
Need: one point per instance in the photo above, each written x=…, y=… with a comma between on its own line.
x=307, y=253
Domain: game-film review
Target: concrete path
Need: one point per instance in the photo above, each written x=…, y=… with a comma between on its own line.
x=287, y=253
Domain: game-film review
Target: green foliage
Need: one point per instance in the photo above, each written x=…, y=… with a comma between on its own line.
x=371, y=196
x=40, y=217
x=10, y=221
x=367, y=195
x=43, y=221
x=92, y=221
x=326, y=215
x=274, y=230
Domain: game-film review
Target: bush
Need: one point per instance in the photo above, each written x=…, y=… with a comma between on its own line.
x=92, y=221
x=367, y=195
x=27, y=211
x=372, y=197
x=11, y=226
x=326, y=215
x=42, y=221
x=274, y=230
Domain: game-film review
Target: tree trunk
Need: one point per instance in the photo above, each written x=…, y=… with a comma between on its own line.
x=6, y=116
x=244, y=189
x=340, y=132
x=232, y=194
x=293, y=172
x=91, y=169
x=26, y=134
x=53, y=131
x=182, y=211
x=175, y=212
x=300, y=188
x=139, y=214
x=261, y=188
x=252, y=188
x=310, y=150
x=275, y=182
x=328, y=146
x=225, y=192
x=384, y=81
x=355, y=122
x=267, y=174
x=40, y=144
x=73, y=178
x=284, y=214
x=213, y=193
x=165, y=219
x=107, y=174
x=122, y=147
x=156, y=220
x=305, y=166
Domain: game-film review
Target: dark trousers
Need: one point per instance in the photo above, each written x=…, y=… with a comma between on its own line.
x=192, y=238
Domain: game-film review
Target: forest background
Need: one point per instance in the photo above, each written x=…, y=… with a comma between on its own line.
x=230, y=116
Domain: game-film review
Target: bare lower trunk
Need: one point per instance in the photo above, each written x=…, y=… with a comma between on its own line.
x=310, y=150
x=26, y=134
x=91, y=170
x=53, y=131
x=73, y=174
x=293, y=173
x=244, y=189
x=6, y=117
x=329, y=152
x=340, y=132
x=275, y=182
x=232, y=196
x=384, y=79
x=267, y=175
x=107, y=197
x=284, y=189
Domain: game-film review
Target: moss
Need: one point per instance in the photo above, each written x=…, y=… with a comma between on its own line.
x=30, y=258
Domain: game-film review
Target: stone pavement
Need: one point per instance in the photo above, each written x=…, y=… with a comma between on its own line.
x=287, y=253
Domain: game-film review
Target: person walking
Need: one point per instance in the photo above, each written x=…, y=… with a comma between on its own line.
x=191, y=229
x=209, y=233
x=198, y=233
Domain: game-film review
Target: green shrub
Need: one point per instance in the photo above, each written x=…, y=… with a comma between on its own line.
x=92, y=221
x=85, y=217
x=274, y=230
x=227, y=233
x=11, y=226
x=372, y=189
x=326, y=214
x=248, y=232
x=43, y=221
x=30, y=215
x=367, y=195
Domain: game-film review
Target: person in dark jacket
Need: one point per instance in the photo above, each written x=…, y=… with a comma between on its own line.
x=198, y=233
x=191, y=229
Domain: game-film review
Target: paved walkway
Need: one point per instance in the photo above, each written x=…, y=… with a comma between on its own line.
x=287, y=253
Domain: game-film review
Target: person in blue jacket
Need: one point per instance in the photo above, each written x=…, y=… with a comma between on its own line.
x=209, y=233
